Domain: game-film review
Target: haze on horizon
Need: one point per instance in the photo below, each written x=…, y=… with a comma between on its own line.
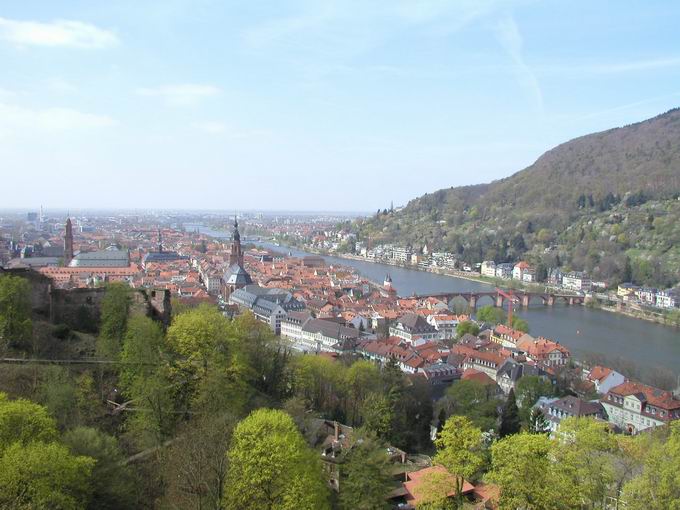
x=306, y=105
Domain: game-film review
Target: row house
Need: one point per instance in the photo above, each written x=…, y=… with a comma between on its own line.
x=488, y=268
x=634, y=407
x=521, y=269
x=309, y=334
x=269, y=305
x=603, y=379
x=626, y=291
x=577, y=280
x=506, y=336
x=504, y=271
x=668, y=299
x=445, y=324
x=414, y=329
x=488, y=362
x=646, y=295
x=440, y=373
x=556, y=410
x=544, y=351
x=511, y=371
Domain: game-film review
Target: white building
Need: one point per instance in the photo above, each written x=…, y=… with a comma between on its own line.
x=667, y=299
x=488, y=268
x=576, y=280
x=504, y=271
x=634, y=407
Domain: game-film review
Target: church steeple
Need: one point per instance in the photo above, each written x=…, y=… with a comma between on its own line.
x=68, y=242
x=236, y=255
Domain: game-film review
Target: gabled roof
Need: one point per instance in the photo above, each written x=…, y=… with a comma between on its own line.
x=599, y=373
x=414, y=323
x=417, y=483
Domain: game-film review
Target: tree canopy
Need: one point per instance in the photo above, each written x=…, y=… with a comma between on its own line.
x=271, y=467
x=15, y=312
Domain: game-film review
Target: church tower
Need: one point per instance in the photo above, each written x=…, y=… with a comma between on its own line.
x=236, y=277
x=236, y=255
x=68, y=242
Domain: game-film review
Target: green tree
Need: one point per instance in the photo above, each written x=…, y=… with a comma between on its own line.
x=114, y=318
x=58, y=393
x=529, y=389
x=15, y=312
x=520, y=324
x=261, y=357
x=658, y=486
x=365, y=476
x=195, y=464
x=376, y=412
x=510, y=420
x=538, y=423
x=360, y=379
x=271, y=467
x=521, y=465
x=143, y=346
x=491, y=315
x=87, y=398
x=44, y=475
x=584, y=453
x=472, y=399
x=466, y=327
x=156, y=414
x=319, y=381
x=112, y=482
x=197, y=333
x=459, y=450
x=22, y=421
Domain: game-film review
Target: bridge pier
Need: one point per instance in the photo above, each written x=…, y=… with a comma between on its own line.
x=551, y=300
x=525, y=300
x=499, y=301
x=472, y=302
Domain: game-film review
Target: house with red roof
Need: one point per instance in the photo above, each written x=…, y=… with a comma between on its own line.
x=634, y=407
x=544, y=351
x=507, y=336
x=603, y=378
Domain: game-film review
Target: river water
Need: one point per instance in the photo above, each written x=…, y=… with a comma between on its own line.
x=646, y=345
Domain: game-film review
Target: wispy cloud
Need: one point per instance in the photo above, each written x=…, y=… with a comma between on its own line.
x=61, y=86
x=509, y=36
x=58, y=33
x=211, y=127
x=632, y=66
x=628, y=106
x=14, y=118
x=218, y=128
x=183, y=94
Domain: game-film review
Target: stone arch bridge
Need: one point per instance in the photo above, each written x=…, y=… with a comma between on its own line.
x=499, y=298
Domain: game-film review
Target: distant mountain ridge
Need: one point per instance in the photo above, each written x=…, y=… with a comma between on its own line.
x=628, y=171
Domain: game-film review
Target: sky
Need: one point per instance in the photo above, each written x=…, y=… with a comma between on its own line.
x=311, y=105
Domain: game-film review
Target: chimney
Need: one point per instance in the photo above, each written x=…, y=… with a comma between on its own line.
x=336, y=428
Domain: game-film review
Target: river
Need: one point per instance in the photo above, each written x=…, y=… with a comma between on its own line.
x=583, y=330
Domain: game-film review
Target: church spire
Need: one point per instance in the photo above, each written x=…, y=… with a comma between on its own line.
x=236, y=255
x=68, y=242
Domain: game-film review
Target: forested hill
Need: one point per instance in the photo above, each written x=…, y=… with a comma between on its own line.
x=605, y=202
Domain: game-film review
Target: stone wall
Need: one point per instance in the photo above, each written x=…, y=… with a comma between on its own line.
x=80, y=309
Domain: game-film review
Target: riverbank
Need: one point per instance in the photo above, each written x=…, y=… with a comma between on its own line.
x=636, y=314
x=655, y=317
x=610, y=338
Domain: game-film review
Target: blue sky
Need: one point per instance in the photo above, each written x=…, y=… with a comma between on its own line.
x=311, y=105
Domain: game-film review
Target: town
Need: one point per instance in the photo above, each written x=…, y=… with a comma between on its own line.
x=331, y=312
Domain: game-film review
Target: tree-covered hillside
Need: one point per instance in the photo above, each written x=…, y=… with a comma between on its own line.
x=605, y=202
